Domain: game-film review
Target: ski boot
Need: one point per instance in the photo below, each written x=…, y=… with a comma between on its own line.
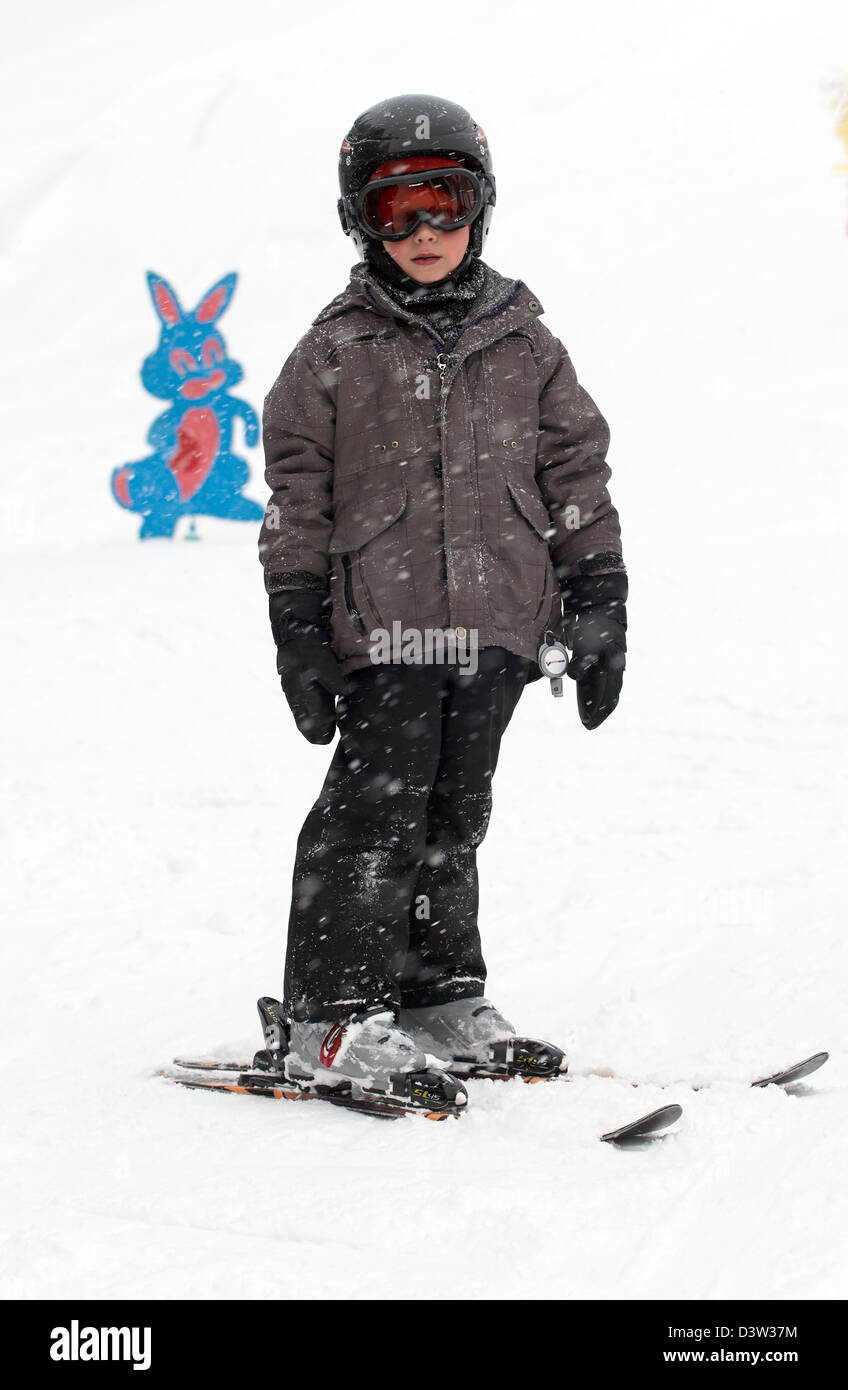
x=474, y=1040
x=366, y=1056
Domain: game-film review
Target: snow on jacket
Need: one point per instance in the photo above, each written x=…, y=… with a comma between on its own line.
x=439, y=490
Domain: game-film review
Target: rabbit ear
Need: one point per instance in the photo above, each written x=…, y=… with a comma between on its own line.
x=215, y=301
x=165, y=302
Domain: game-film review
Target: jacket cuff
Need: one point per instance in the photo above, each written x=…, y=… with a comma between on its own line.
x=584, y=591
x=296, y=579
x=607, y=562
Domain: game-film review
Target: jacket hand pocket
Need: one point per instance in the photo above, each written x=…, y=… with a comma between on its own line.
x=369, y=539
x=532, y=508
x=522, y=584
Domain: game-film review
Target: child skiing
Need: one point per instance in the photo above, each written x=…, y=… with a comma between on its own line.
x=438, y=483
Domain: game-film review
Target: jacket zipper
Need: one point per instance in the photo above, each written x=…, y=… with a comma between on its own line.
x=444, y=360
x=441, y=362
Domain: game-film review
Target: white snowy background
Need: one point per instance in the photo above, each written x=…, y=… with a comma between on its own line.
x=664, y=896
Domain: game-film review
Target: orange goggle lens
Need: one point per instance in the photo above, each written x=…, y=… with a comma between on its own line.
x=393, y=208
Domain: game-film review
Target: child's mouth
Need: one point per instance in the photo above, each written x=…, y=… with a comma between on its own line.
x=424, y=260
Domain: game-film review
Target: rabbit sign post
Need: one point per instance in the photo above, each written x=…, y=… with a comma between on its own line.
x=192, y=471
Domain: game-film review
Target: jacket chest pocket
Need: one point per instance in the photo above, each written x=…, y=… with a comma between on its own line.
x=511, y=394
x=375, y=420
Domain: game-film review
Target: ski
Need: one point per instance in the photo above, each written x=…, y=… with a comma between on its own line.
x=212, y=1065
x=797, y=1072
x=646, y=1125
x=244, y=1081
x=210, y=1075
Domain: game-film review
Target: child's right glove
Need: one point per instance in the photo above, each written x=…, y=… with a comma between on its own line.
x=595, y=621
x=310, y=674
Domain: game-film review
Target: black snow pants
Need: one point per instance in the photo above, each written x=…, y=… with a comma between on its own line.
x=385, y=894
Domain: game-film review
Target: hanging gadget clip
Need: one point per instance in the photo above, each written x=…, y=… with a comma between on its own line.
x=553, y=659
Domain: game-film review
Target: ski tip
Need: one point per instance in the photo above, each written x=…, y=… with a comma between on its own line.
x=209, y=1064
x=796, y=1072
x=651, y=1123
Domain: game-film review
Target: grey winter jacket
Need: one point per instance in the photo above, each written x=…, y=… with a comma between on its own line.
x=438, y=490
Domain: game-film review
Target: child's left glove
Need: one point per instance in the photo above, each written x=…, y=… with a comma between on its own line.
x=595, y=625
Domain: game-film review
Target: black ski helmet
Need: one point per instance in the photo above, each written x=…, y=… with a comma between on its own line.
x=413, y=125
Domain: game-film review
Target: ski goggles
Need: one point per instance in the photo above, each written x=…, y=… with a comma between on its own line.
x=392, y=208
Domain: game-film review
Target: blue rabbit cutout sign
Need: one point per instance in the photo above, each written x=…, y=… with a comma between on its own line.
x=192, y=470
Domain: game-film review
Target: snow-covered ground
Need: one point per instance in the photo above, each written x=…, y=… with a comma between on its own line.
x=665, y=896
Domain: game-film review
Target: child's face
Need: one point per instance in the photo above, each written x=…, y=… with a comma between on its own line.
x=428, y=255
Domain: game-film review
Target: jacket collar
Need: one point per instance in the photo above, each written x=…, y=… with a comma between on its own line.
x=511, y=303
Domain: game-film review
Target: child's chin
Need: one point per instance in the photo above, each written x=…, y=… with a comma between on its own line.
x=436, y=271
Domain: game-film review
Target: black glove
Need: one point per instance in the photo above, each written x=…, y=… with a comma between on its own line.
x=310, y=674
x=595, y=621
